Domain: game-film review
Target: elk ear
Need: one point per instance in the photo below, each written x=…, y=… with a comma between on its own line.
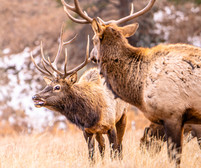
x=72, y=79
x=96, y=27
x=47, y=80
x=129, y=30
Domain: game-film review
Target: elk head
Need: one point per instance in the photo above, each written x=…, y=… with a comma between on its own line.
x=58, y=84
x=52, y=95
x=106, y=31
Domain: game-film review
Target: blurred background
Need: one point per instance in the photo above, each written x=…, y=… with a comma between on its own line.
x=25, y=23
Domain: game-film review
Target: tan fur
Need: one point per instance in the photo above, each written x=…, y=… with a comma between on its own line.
x=90, y=105
x=163, y=81
x=109, y=115
x=91, y=76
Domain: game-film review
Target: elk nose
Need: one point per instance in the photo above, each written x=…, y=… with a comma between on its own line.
x=35, y=97
x=93, y=56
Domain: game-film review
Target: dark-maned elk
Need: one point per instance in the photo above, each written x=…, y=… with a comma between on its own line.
x=164, y=82
x=155, y=132
x=88, y=103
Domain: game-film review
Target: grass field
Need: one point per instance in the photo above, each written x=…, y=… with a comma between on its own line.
x=69, y=150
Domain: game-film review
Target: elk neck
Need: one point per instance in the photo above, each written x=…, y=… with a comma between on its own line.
x=121, y=64
x=78, y=109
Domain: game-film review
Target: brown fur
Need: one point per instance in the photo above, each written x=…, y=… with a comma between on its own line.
x=89, y=105
x=156, y=132
x=163, y=81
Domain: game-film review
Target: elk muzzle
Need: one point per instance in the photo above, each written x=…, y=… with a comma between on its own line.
x=38, y=101
x=94, y=56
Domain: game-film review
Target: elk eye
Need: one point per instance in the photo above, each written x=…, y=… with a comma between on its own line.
x=57, y=87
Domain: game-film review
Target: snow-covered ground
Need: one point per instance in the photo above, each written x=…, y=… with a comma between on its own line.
x=21, y=87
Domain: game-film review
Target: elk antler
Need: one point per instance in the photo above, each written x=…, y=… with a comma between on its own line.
x=133, y=15
x=77, y=10
x=52, y=65
x=39, y=68
x=84, y=15
x=87, y=60
x=55, y=60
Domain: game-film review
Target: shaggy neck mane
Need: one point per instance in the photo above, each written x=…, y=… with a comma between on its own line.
x=78, y=108
x=121, y=64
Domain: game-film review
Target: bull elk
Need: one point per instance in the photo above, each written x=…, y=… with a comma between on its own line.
x=87, y=103
x=164, y=82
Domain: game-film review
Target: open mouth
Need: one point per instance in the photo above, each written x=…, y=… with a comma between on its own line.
x=39, y=103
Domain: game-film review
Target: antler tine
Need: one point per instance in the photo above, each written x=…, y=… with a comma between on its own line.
x=137, y=14
x=40, y=69
x=68, y=6
x=49, y=62
x=77, y=10
x=87, y=59
x=133, y=15
x=46, y=68
x=42, y=53
x=84, y=15
x=101, y=21
x=74, y=19
x=69, y=41
x=53, y=64
x=55, y=60
x=65, y=65
x=61, y=44
x=66, y=56
x=132, y=9
x=54, y=69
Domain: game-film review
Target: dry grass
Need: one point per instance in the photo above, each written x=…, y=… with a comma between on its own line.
x=66, y=150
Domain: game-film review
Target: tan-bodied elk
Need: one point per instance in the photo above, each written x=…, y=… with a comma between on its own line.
x=87, y=103
x=164, y=81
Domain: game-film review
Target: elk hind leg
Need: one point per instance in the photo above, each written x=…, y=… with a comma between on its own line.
x=120, y=127
x=174, y=132
x=112, y=136
x=197, y=132
x=101, y=144
x=91, y=144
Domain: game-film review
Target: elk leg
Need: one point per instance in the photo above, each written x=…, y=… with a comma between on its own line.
x=101, y=144
x=197, y=132
x=112, y=136
x=174, y=132
x=120, y=127
x=91, y=143
x=145, y=140
x=199, y=141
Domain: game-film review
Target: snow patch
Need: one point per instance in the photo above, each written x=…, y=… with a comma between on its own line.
x=21, y=87
x=6, y=51
x=196, y=40
x=195, y=9
x=166, y=14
